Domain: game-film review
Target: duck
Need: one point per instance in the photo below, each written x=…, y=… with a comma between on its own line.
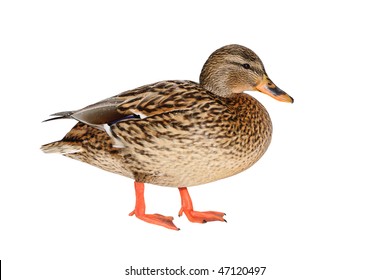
x=178, y=133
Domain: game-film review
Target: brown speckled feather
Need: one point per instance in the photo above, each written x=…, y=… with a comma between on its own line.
x=179, y=133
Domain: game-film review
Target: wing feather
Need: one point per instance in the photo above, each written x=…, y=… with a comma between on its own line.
x=142, y=102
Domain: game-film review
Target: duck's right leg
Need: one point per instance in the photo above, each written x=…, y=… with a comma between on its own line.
x=139, y=211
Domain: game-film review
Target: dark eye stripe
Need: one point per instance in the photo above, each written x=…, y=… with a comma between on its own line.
x=247, y=66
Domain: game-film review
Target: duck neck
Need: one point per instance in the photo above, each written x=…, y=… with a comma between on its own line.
x=218, y=88
x=215, y=82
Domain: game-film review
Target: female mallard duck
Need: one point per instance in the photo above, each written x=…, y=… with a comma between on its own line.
x=178, y=133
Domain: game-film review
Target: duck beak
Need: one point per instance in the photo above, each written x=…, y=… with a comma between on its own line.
x=268, y=87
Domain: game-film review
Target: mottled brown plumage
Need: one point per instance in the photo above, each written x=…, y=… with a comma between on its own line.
x=179, y=133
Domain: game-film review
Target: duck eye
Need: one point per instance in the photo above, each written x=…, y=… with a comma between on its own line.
x=246, y=66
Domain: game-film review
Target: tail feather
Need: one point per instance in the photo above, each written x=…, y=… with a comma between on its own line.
x=61, y=147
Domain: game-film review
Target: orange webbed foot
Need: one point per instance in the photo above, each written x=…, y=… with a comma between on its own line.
x=202, y=217
x=196, y=216
x=139, y=211
x=156, y=219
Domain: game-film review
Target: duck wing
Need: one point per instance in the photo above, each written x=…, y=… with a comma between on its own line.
x=140, y=103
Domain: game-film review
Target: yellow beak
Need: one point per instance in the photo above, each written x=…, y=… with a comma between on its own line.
x=268, y=87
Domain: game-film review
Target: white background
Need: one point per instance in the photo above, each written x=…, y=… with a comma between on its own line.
x=316, y=206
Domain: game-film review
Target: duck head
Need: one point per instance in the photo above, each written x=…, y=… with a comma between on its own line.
x=233, y=69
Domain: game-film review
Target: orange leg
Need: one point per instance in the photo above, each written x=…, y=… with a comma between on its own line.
x=139, y=210
x=195, y=216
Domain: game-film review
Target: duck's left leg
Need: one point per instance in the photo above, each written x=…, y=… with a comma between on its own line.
x=195, y=216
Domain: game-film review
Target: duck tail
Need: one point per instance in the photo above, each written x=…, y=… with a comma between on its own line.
x=61, y=147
